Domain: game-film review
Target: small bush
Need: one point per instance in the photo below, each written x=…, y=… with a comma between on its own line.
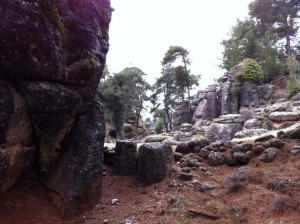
x=251, y=71
x=235, y=187
x=283, y=204
x=159, y=127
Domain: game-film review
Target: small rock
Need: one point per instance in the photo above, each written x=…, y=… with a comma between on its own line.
x=105, y=221
x=258, y=149
x=275, y=142
x=243, y=147
x=216, y=158
x=195, y=182
x=177, y=156
x=128, y=221
x=207, y=186
x=115, y=201
x=173, y=183
x=269, y=155
x=295, y=150
x=203, y=152
x=186, y=170
x=241, y=158
x=208, y=174
x=185, y=177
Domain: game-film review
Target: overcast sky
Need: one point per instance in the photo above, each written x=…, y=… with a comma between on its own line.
x=141, y=32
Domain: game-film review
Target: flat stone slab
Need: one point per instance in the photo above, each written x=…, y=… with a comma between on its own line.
x=284, y=116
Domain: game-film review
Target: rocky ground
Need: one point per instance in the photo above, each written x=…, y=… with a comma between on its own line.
x=256, y=193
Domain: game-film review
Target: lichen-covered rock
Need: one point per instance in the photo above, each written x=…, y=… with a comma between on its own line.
x=284, y=106
x=274, y=142
x=248, y=95
x=269, y=155
x=242, y=147
x=200, y=142
x=250, y=133
x=241, y=158
x=53, y=54
x=153, y=162
x=284, y=116
x=125, y=163
x=258, y=123
x=224, y=128
x=182, y=114
x=216, y=159
x=266, y=91
x=207, y=108
x=184, y=148
x=156, y=138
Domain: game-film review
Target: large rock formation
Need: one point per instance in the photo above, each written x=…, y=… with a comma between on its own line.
x=52, y=57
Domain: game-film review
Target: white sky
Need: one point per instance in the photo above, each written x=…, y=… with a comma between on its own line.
x=141, y=32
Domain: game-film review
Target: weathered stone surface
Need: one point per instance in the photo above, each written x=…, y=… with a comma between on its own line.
x=258, y=123
x=292, y=134
x=224, y=128
x=186, y=127
x=53, y=53
x=200, y=142
x=216, y=159
x=274, y=142
x=242, y=147
x=182, y=114
x=296, y=97
x=250, y=133
x=207, y=108
x=229, y=99
x=125, y=158
x=207, y=186
x=156, y=138
x=266, y=91
x=182, y=136
x=241, y=158
x=13, y=161
x=14, y=119
x=248, y=95
x=77, y=175
x=285, y=106
x=185, y=176
x=269, y=155
x=284, y=116
x=184, y=148
x=153, y=160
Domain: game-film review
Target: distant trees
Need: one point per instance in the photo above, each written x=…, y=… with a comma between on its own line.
x=260, y=37
x=175, y=82
x=124, y=93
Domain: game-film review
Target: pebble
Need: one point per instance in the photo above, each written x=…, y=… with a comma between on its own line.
x=115, y=201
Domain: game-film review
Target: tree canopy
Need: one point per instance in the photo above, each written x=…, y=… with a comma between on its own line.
x=175, y=82
x=268, y=35
x=123, y=93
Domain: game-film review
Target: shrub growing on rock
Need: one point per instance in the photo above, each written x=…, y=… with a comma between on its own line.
x=251, y=71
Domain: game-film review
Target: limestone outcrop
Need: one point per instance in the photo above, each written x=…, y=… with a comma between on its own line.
x=52, y=57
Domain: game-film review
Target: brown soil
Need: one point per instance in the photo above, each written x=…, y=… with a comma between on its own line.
x=248, y=201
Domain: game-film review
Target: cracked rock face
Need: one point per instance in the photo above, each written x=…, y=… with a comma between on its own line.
x=52, y=57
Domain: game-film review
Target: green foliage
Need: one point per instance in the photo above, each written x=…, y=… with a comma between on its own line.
x=293, y=83
x=159, y=126
x=184, y=80
x=251, y=71
x=241, y=44
x=129, y=131
x=260, y=37
x=123, y=93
